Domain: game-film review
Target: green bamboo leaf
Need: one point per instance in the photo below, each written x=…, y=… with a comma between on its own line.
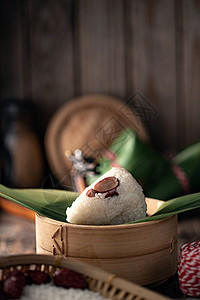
x=53, y=203
x=47, y=202
x=173, y=207
x=179, y=204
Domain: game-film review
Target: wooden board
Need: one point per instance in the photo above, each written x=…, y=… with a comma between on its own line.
x=191, y=75
x=48, y=55
x=17, y=235
x=151, y=69
x=11, y=73
x=101, y=47
x=89, y=123
x=53, y=52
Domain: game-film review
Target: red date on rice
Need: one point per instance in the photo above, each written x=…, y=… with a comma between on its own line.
x=36, y=277
x=14, y=284
x=69, y=279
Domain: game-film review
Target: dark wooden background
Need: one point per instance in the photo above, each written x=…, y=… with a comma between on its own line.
x=52, y=51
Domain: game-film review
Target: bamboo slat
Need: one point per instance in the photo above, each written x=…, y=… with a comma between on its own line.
x=100, y=281
x=144, y=253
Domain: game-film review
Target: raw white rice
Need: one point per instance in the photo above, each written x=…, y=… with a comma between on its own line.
x=51, y=292
x=127, y=206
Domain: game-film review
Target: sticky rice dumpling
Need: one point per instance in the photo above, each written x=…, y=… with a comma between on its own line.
x=115, y=198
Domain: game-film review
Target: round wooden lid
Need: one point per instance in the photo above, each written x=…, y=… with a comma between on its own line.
x=90, y=123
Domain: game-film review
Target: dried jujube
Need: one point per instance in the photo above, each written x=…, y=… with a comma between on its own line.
x=69, y=279
x=107, y=184
x=91, y=193
x=111, y=193
x=36, y=277
x=14, y=284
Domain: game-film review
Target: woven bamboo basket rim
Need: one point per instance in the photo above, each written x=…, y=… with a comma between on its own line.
x=60, y=125
x=103, y=282
x=105, y=227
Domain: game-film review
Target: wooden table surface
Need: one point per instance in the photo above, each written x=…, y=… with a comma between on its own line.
x=17, y=236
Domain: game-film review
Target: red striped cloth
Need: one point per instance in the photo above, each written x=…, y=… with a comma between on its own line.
x=189, y=269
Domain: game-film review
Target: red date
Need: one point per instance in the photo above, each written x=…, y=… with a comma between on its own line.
x=107, y=184
x=36, y=277
x=69, y=279
x=14, y=284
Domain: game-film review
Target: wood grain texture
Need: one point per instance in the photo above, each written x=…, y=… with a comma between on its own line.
x=17, y=235
x=102, y=66
x=143, y=253
x=51, y=54
x=191, y=74
x=150, y=60
x=52, y=51
x=11, y=73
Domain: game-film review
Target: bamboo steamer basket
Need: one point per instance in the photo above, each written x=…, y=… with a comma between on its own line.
x=145, y=253
x=89, y=123
x=106, y=284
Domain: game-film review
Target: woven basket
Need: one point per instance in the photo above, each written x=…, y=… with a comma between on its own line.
x=145, y=253
x=106, y=284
